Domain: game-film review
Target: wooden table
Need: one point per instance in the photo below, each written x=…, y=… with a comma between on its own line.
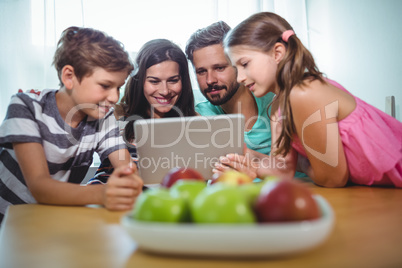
x=367, y=233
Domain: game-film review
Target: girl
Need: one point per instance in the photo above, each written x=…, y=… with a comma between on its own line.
x=159, y=87
x=344, y=138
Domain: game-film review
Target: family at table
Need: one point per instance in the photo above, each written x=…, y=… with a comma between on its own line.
x=260, y=69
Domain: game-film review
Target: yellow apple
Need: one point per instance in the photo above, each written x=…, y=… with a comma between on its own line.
x=232, y=177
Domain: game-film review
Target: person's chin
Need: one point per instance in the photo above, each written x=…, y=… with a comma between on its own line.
x=213, y=97
x=164, y=110
x=98, y=115
x=218, y=99
x=259, y=93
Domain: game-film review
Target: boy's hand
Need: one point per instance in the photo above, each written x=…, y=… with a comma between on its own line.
x=122, y=188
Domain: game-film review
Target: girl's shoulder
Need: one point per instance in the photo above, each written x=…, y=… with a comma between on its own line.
x=310, y=96
x=308, y=87
x=314, y=95
x=309, y=91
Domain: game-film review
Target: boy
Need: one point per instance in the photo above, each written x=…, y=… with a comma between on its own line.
x=48, y=138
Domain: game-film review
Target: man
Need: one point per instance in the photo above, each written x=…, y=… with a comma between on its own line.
x=217, y=79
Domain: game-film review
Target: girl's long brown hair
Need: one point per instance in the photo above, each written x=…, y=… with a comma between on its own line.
x=262, y=31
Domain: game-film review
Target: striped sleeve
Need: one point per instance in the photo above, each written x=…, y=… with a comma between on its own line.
x=20, y=124
x=111, y=140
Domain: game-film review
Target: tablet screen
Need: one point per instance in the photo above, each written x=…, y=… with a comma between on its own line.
x=191, y=142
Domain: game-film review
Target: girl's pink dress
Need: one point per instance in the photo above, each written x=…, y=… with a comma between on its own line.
x=372, y=142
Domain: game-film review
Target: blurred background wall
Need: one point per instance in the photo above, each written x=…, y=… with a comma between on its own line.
x=355, y=42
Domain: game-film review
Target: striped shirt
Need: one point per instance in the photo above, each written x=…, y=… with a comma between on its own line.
x=105, y=169
x=34, y=117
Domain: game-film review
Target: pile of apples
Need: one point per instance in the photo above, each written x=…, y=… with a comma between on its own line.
x=230, y=198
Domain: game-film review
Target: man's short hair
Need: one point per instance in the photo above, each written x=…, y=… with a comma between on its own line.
x=210, y=35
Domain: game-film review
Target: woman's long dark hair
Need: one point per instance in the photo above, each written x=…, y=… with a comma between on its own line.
x=262, y=31
x=134, y=102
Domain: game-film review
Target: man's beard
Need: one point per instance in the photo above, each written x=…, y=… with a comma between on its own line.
x=217, y=99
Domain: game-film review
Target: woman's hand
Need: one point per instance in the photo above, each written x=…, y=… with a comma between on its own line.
x=122, y=188
x=258, y=165
x=249, y=163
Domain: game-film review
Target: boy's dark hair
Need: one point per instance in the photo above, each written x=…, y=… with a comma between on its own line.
x=85, y=49
x=210, y=35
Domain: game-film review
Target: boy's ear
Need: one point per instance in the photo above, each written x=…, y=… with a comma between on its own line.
x=67, y=76
x=279, y=50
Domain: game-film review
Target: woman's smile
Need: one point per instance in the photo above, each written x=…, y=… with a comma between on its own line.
x=162, y=100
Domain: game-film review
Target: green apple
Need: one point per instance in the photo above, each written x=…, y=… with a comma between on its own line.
x=271, y=178
x=222, y=203
x=157, y=204
x=187, y=189
x=251, y=191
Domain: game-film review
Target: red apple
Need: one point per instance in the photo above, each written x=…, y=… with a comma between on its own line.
x=178, y=173
x=285, y=201
x=231, y=177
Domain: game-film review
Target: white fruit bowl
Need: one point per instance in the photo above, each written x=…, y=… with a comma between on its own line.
x=269, y=239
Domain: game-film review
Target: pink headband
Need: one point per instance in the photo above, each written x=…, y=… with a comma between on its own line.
x=286, y=34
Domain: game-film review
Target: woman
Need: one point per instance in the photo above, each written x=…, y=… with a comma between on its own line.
x=159, y=86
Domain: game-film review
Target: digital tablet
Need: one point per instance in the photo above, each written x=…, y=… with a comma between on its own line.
x=190, y=142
